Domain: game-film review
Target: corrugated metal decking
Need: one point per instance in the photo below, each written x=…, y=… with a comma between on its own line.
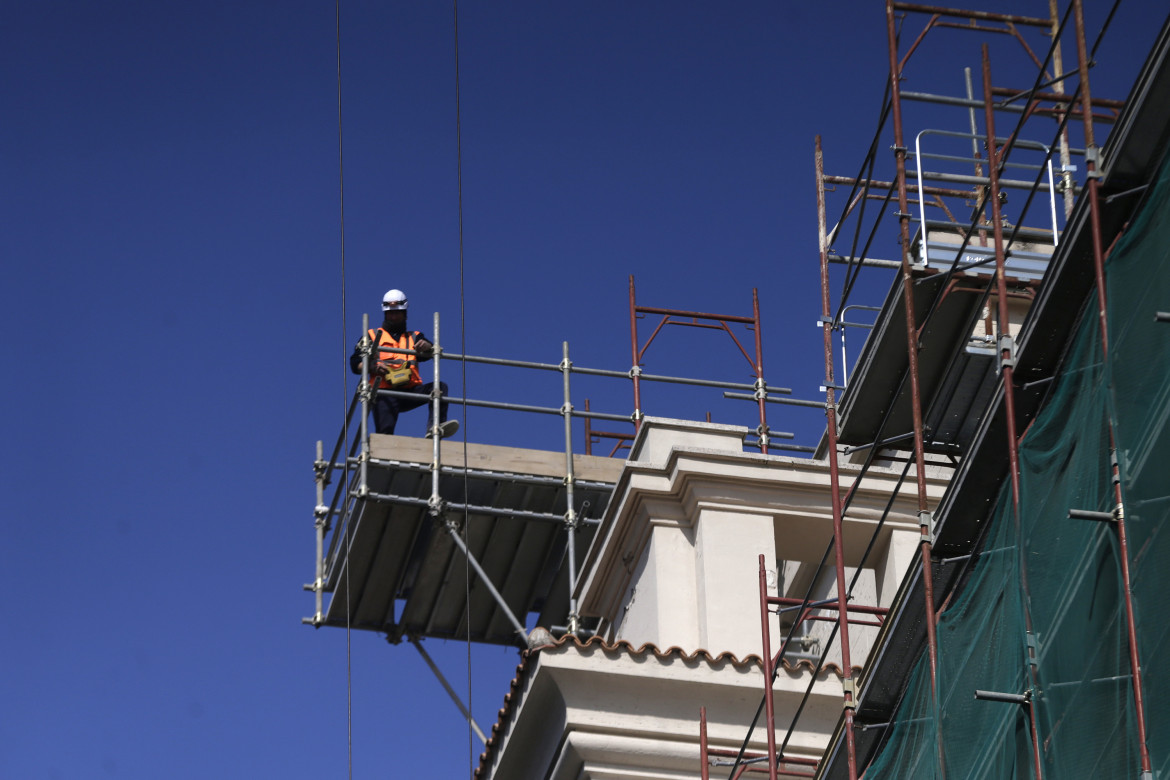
x=407, y=577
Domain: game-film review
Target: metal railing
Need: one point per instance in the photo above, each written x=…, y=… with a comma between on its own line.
x=352, y=491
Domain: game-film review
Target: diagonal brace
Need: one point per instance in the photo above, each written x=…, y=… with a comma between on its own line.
x=449, y=526
x=447, y=687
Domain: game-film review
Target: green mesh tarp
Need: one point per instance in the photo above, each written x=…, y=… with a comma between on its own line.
x=1138, y=285
x=1061, y=577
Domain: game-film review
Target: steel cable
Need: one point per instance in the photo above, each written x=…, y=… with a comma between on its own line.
x=344, y=411
x=463, y=384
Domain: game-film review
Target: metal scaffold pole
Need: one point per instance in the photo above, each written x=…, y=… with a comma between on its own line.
x=436, y=393
x=848, y=691
x=761, y=387
x=365, y=390
x=769, y=667
x=704, y=771
x=1093, y=176
x=570, y=512
x=1007, y=362
x=320, y=520
x=635, y=363
x=925, y=528
x=1066, y=177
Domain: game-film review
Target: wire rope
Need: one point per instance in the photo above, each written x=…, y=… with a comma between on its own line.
x=344, y=413
x=463, y=384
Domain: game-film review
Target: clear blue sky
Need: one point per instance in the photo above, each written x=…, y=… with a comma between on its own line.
x=175, y=341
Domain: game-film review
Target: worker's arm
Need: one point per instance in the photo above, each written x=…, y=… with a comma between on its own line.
x=423, y=349
x=355, y=362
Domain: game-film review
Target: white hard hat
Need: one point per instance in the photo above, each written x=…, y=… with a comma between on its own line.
x=394, y=300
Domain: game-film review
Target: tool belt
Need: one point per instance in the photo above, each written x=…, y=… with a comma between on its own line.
x=397, y=373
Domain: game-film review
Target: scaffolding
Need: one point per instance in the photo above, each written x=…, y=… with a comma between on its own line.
x=404, y=512
x=943, y=381
x=939, y=373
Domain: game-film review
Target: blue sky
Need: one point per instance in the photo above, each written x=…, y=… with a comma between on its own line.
x=176, y=336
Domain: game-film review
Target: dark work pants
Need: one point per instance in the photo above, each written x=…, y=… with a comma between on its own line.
x=387, y=407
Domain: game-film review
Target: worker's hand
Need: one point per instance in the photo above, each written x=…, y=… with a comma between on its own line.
x=380, y=369
x=424, y=349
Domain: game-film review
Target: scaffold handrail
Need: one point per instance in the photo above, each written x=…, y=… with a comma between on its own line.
x=504, y=476
x=479, y=509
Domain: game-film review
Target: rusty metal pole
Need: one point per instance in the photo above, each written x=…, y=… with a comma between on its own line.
x=704, y=772
x=925, y=520
x=1007, y=355
x=635, y=367
x=847, y=683
x=760, y=387
x=588, y=432
x=769, y=705
x=1092, y=185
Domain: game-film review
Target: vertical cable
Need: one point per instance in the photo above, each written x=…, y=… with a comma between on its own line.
x=463, y=385
x=344, y=413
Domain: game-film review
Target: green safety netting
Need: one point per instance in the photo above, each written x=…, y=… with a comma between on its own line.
x=1138, y=285
x=1062, y=576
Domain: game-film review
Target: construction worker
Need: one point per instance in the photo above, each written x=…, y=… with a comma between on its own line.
x=396, y=371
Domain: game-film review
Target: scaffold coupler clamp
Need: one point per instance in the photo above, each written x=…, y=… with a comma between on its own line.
x=761, y=389
x=634, y=372
x=762, y=433
x=571, y=520
x=365, y=392
x=436, y=506
x=926, y=526
x=849, y=691
x=1005, y=343
x=1093, y=155
x=320, y=512
x=1033, y=647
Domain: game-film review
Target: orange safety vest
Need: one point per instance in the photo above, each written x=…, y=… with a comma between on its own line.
x=381, y=338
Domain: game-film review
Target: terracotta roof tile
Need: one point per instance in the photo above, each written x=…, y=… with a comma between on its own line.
x=621, y=646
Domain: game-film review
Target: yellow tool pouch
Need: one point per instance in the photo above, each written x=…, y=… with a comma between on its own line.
x=398, y=376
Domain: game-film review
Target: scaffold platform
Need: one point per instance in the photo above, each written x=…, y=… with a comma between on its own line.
x=405, y=575
x=957, y=369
